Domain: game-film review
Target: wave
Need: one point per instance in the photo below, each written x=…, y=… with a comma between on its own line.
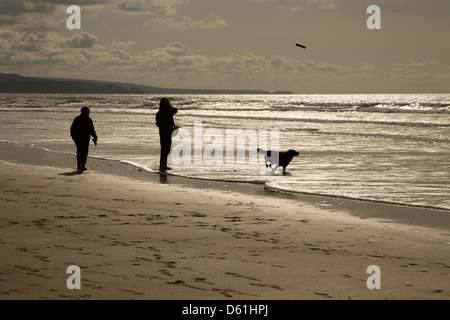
x=397, y=137
x=281, y=187
x=374, y=107
x=318, y=120
x=329, y=107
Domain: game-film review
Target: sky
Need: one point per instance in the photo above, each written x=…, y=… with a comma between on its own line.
x=234, y=44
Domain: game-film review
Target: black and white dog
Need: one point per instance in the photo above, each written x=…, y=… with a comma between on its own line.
x=279, y=159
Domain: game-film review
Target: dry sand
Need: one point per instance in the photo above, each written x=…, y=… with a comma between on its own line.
x=135, y=239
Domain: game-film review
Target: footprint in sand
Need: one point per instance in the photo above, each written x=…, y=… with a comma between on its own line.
x=42, y=258
x=166, y=272
x=223, y=292
x=266, y=285
x=157, y=256
x=325, y=295
x=239, y=276
x=203, y=280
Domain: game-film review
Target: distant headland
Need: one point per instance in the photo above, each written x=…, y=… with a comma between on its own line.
x=14, y=83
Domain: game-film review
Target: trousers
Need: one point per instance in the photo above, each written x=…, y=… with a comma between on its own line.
x=165, y=140
x=82, y=152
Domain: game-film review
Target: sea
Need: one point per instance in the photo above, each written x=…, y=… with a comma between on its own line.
x=390, y=148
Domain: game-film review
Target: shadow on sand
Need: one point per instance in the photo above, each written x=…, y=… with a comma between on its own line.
x=71, y=174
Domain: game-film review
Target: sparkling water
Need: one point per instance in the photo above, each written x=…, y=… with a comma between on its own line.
x=389, y=148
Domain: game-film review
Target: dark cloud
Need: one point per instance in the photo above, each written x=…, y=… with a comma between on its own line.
x=22, y=7
x=76, y=2
x=17, y=7
x=178, y=49
x=8, y=20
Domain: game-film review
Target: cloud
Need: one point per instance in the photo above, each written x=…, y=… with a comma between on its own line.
x=39, y=15
x=178, y=50
x=82, y=55
x=175, y=58
x=20, y=7
x=416, y=64
x=366, y=67
x=326, y=67
x=185, y=23
x=165, y=16
x=161, y=15
x=413, y=66
x=323, y=4
x=279, y=62
x=27, y=48
x=23, y=42
x=82, y=40
x=153, y=7
x=122, y=45
x=33, y=22
x=238, y=65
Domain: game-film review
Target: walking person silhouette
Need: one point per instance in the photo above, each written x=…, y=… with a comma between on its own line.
x=165, y=123
x=81, y=130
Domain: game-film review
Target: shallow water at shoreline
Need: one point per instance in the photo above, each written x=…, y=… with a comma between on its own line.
x=388, y=148
x=406, y=215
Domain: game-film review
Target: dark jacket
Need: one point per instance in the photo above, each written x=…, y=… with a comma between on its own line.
x=82, y=128
x=164, y=117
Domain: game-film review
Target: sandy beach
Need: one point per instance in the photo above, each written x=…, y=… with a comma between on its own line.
x=137, y=239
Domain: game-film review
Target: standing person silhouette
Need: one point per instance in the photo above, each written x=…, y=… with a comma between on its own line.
x=165, y=123
x=81, y=130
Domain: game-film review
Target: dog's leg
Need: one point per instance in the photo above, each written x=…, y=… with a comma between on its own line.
x=275, y=169
x=267, y=161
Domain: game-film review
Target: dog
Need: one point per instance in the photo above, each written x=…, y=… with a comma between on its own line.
x=279, y=159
